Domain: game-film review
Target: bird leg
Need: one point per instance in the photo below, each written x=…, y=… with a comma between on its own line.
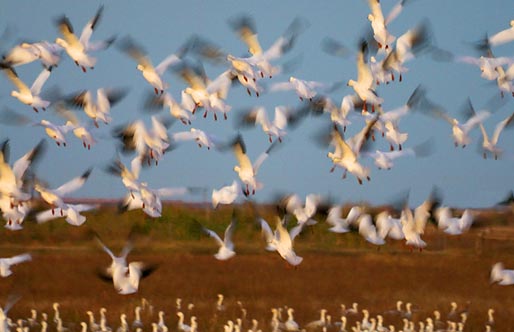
x=270, y=139
x=215, y=117
x=301, y=98
x=225, y=116
x=246, y=79
x=43, y=108
x=345, y=173
x=205, y=114
x=248, y=91
x=83, y=68
x=280, y=139
x=359, y=180
x=368, y=178
x=156, y=91
x=77, y=63
x=484, y=155
x=372, y=108
x=392, y=76
x=391, y=147
x=62, y=213
x=35, y=109
x=332, y=169
x=400, y=78
x=257, y=94
x=400, y=147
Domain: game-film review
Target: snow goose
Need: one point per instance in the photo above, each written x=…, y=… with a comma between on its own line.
x=317, y=324
x=199, y=136
x=347, y=152
x=8, y=262
x=181, y=326
x=78, y=48
x=98, y=110
x=339, y=224
x=29, y=96
x=364, y=86
x=338, y=115
x=206, y=93
x=302, y=212
x=151, y=74
x=489, y=144
x=501, y=275
x=411, y=229
x=379, y=24
x=125, y=277
x=71, y=212
x=452, y=225
x=226, y=194
x=181, y=111
x=408, y=45
x=226, y=245
x=54, y=197
x=150, y=144
x=387, y=226
x=247, y=171
x=244, y=26
x=12, y=178
x=304, y=89
x=20, y=54
x=368, y=230
x=290, y=324
x=284, y=116
x=83, y=131
x=461, y=131
x=281, y=240
x=486, y=63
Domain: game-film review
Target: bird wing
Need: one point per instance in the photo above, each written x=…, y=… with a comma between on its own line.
x=500, y=126
x=266, y=230
x=215, y=236
x=376, y=10
x=361, y=137
x=229, y=231
x=21, y=165
x=13, y=76
x=19, y=259
x=295, y=231
x=395, y=11
x=73, y=184
x=240, y=153
x=475, y=120
x=245, y=28
x=136, y=52
x=44, y=216
x=168, y=192
x=502, y=37
x=364, y=74
x=87, y=31
x=35, y=89
x=281, y=86
x=168, y=61
x=66, y=30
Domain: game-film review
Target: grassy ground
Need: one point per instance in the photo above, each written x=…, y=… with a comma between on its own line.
x=337, y=269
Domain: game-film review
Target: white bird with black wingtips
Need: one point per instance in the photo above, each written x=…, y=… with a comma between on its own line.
x=226, y=245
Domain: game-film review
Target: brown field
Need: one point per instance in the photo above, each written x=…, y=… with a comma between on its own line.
x=337, y=269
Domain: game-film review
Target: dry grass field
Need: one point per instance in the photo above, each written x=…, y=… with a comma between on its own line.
x=337, y=269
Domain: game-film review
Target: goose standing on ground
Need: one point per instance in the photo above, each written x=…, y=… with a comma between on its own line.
x=226, y=246
x=318, y=324
x=246, y=170
x=501, y=275
x=151, y=74
x=181, y=326
x=78, y=48
x=291, y=324
x=30, y=96
x=7, y=263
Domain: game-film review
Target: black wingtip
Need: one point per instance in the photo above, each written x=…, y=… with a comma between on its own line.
x=97, y=17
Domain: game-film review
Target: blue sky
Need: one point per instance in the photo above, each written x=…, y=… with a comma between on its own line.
x=299, y=165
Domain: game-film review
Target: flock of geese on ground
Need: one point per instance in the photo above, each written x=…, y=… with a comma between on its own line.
x=236, y=318
x=381, y=60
